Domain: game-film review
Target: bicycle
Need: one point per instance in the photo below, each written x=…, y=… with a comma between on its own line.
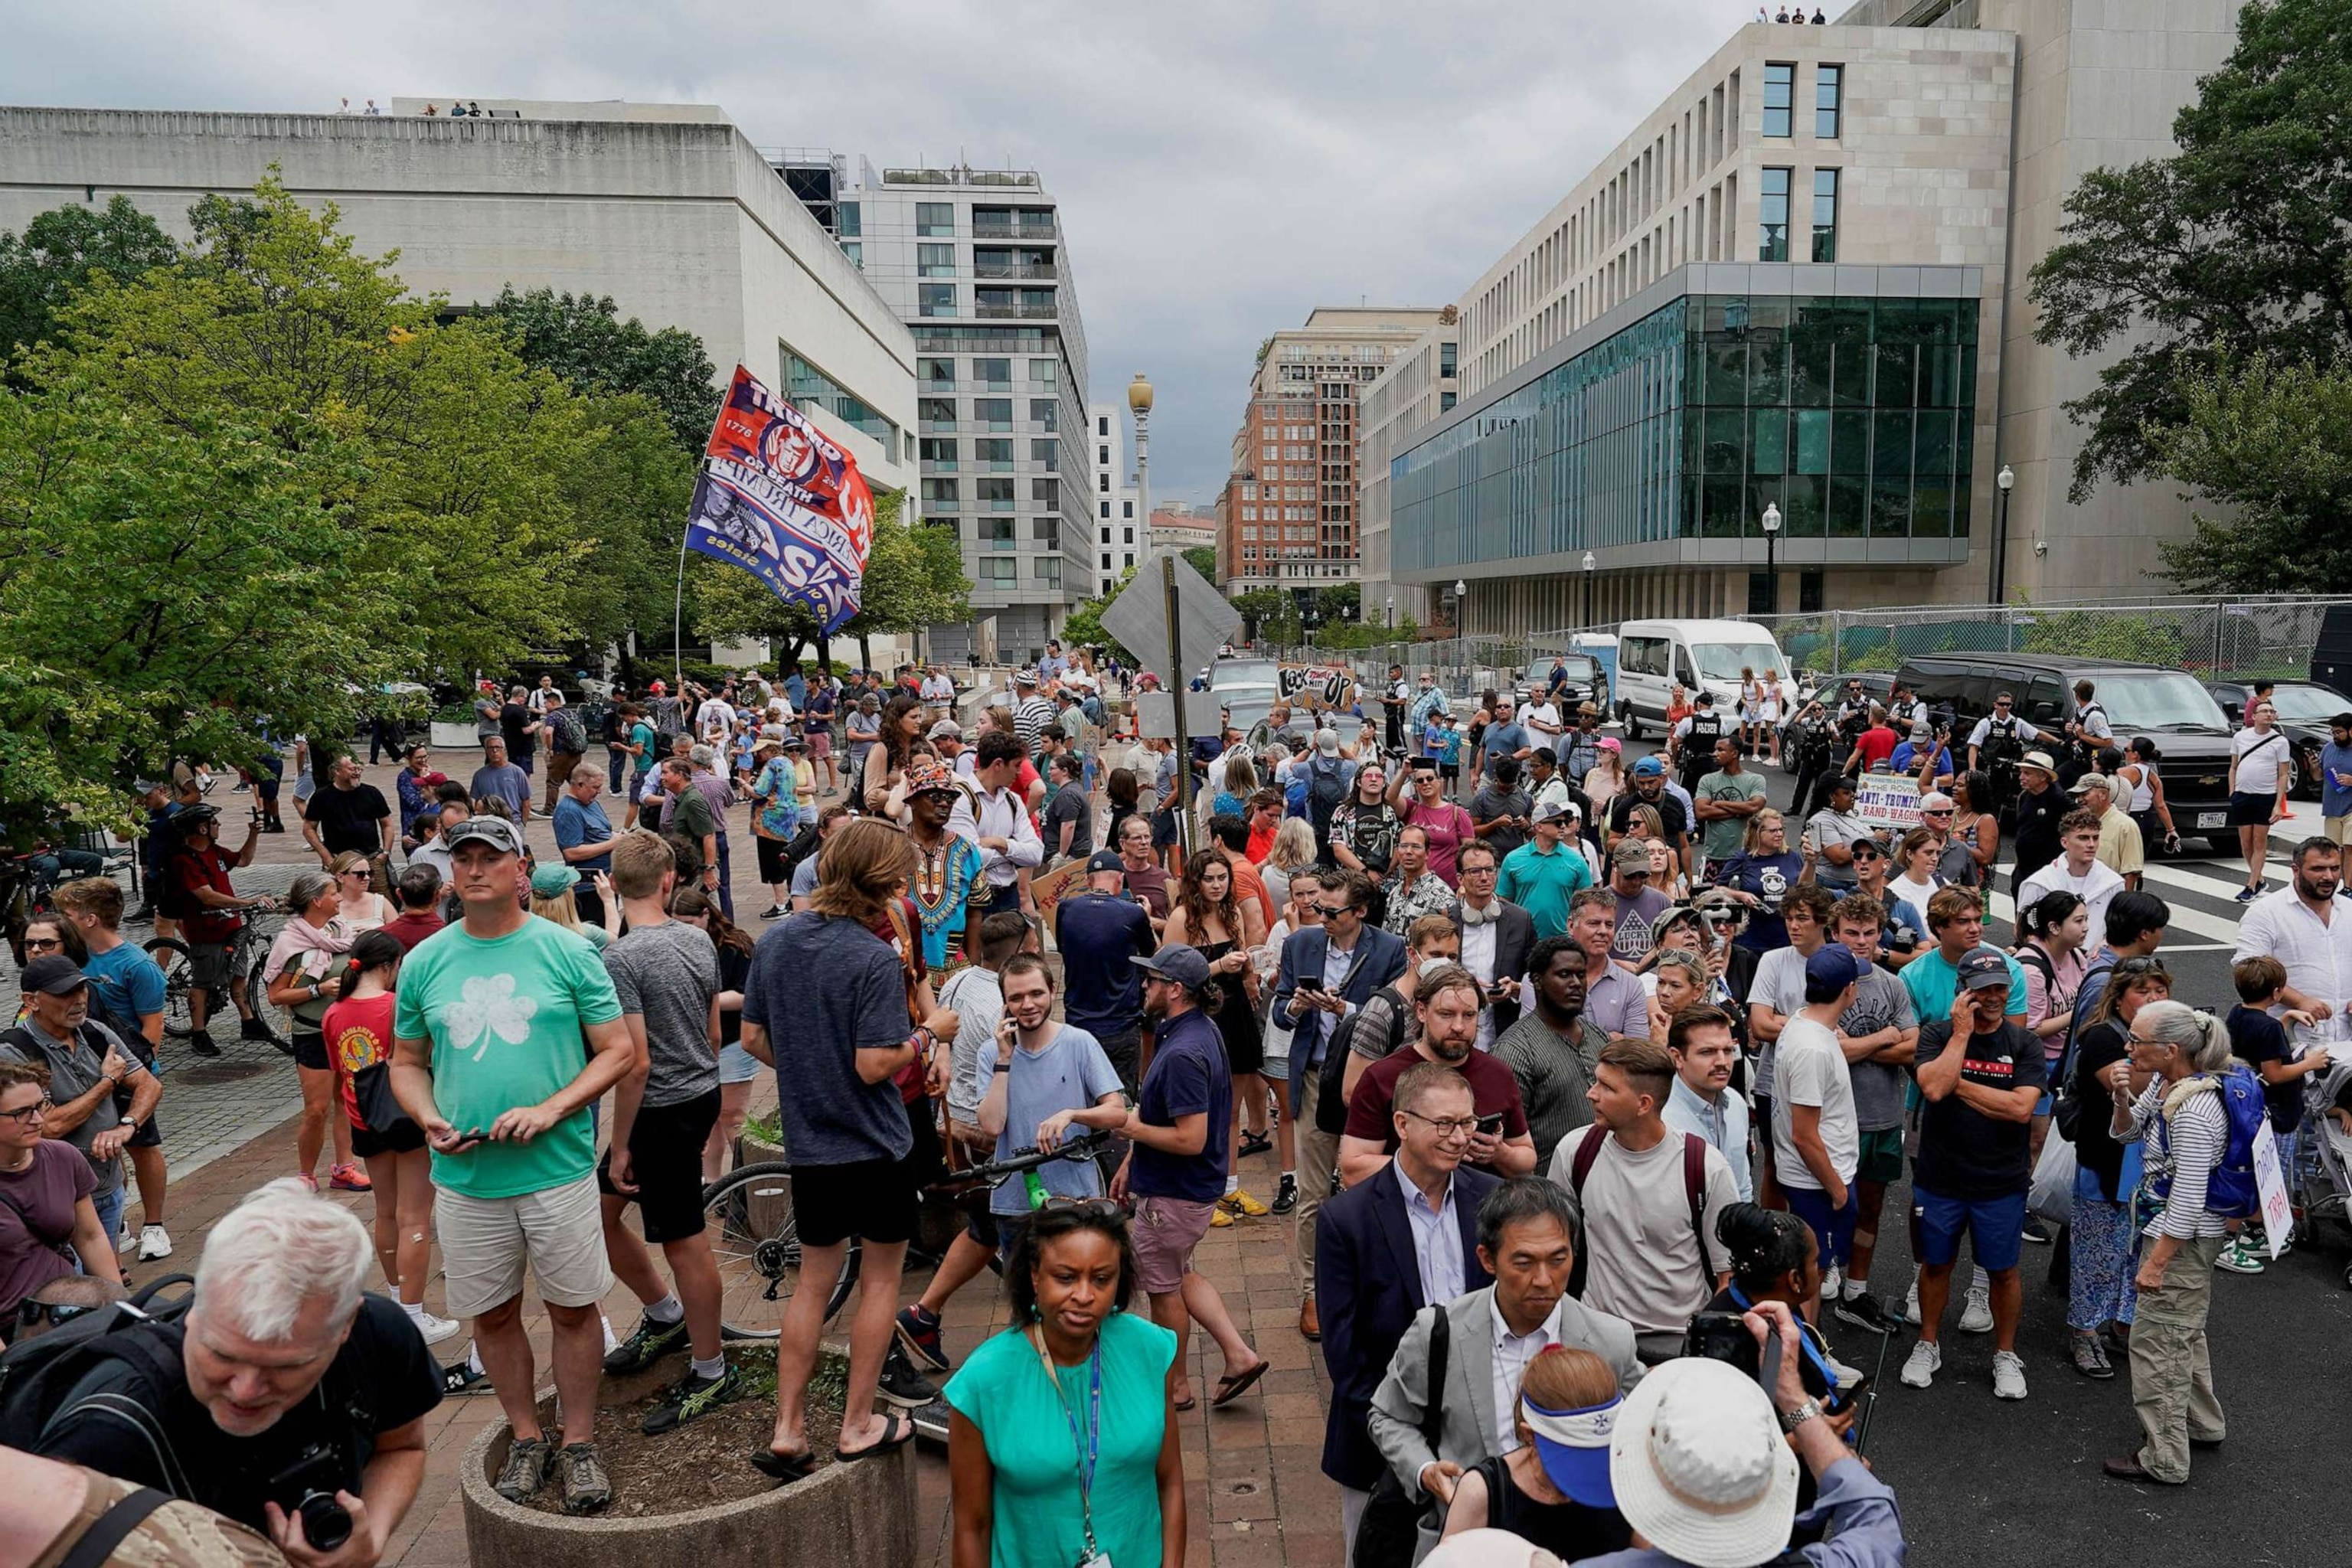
x=248, y=949
x=747, y=1216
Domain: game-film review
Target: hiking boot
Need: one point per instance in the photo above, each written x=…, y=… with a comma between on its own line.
x=1927, y=1361
x=1976, y=1318
x=646, y=1343
x=1866, y=1311
x=2008, y=1375
x=529, y=1460
x=1286, y=1197
x=201, y=1044
x=918, y=1335
x=691, y=1396
x=1239, y=1201
x=2090, y=1355
x=901, y=1384
x=2240, y=1257
x=587, y=1487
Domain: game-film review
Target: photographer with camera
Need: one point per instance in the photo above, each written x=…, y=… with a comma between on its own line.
x=283, y=1398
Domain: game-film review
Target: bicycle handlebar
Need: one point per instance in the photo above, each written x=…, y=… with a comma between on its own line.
x=1082, y=1147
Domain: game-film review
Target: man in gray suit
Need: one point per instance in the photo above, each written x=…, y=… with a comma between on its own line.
x=1524, y=1230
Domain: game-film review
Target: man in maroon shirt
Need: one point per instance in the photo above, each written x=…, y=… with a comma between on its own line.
x=1446, y=1000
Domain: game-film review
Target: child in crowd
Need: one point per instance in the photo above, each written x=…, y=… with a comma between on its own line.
x=2257, y=1038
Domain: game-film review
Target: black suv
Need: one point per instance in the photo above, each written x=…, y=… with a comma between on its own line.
x=2167, y=706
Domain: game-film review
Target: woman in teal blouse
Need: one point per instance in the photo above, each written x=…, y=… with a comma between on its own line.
x=1062, y=1446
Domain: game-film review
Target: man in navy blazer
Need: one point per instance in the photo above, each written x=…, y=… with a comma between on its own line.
x=1404, y=1238
x=1328, y=972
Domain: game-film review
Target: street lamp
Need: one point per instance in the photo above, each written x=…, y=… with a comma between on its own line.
x=1771, y=559
x=2005, y=482
x=1391, y=619
x=1592, y=564
x=1461, y=608
x=1139, y=402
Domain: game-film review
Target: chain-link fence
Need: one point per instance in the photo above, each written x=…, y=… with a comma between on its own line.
x=2229, y=638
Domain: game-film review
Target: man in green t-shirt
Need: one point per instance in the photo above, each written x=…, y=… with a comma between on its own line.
x=1543, y=874
x=1726, y=799
x=689, y=814
x=488, y=1060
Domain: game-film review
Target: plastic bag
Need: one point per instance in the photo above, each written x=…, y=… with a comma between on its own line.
x=2053, y=1181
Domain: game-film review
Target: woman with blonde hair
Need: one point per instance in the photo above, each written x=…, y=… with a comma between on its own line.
x=1552, y=1490
x=364, y=909
x=551, y=900
x=1293, y=852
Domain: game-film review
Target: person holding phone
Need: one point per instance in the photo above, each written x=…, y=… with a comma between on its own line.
x=1446, y=1003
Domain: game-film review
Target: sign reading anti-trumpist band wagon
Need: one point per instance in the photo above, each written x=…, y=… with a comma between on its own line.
x=782, y=501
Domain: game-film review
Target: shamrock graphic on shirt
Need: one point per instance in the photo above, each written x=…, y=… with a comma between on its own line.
x=488, y=1006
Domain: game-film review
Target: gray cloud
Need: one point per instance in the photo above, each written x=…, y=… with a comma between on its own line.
x=1222, y=167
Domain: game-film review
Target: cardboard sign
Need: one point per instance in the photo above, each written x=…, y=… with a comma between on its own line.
x=1050, y=888
x=1887, y=801
x=2270, y=1184
x=1322, y=685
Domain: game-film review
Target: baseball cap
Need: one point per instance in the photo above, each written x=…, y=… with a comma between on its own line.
x=1573, y=1445
x=2093, y=780
x=552, y=881
x=148, y=786
x=1557, y=810
x=1630, y=856
x=946, y=730
x=1649, y=767
x=1842, y=782
x=1105, y=861
x=53, y=974
x=1698, y=1465
x=1868, y=841
x=1328, y=741
x=1983, y=968
x=497, y=831
x=1177, y=963
x=2038, y=760
x=1025, y=678
x=1832, y=964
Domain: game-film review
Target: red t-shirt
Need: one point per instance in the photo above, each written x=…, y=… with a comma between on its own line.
x=409, y=928
x=191, y=868
x=1875, y=745
x=359, y=1034
x=1371, y=1109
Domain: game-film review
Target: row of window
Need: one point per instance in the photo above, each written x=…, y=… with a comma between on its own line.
x=944, y=451
x=987, y=372
x=1003, y=572
x=995, y=413
x=1773, y=210
x=1129, y=531
x=1107, y=567
x=939, y=300
x=1779, y=101
x=1126, y=509
x=937, y=220
x=998, y=495
x=805, y=385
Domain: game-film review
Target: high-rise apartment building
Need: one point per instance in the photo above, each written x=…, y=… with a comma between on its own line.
x=1799, y=289
x=1288, y=516
x=1112, y=492
x=1419, y=385
x=974, y=263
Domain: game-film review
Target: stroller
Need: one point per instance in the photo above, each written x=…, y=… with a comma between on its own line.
x=2328, y=1169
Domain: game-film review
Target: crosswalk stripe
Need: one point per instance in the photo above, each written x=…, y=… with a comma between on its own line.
x=2222, y=930
x=2179, y=876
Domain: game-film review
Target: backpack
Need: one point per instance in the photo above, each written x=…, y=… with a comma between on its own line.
x=37, y=1375
x=1580, y=1165
x=1293, y=797
x=1331, y=1104
x=1322, y=801
x=569, y=736
x=2230, y=1192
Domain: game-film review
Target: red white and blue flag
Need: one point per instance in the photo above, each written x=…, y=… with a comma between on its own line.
x=780, y=499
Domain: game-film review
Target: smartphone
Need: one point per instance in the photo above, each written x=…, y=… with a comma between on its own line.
x=468, y=1139
x=1491, y=1125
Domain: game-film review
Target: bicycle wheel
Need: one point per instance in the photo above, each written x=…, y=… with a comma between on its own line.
x=173, y=958
x=277, y=1021
x=748, y=1217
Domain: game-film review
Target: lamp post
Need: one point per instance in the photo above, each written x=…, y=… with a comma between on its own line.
x=1388, y=619
x=1592, y=564
x=1139, y=402
x=2003, y=482
x=1771, y=559
x=1461, y=608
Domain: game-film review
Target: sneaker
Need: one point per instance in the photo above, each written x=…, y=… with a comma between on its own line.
x=347, y=1178
x=1832, y=1283
x=435, y=1330
x=201, y=1044
x=587, y=1488
x=772, y=912
x=253, y=1029
x=1866, y=1311
x=901, y=1384
x=1286, y=1197
x=2035, y=1231
x=1220, y=1217
x=919, y=1334
x=529, y=1459
x=1847, y=1376
x=154, y=1242
x=1927, y=1361
x=1911, y=1303
x=2090, y=1355
x=1977, y=1317
x=459, y=1377
x=646, y=1343
x=691, y=1396
x=309, y=1181
x=1239, y=1201
x=2240, y=1257
x=2248, y=895
x=2008, y=1375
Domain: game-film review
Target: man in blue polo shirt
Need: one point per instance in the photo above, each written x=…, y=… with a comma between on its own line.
x=1098, y=933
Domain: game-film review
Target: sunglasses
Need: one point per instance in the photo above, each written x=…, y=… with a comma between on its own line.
x=1333, y=911
x=1944, y=813
x=43, y=944
x=32, y=1314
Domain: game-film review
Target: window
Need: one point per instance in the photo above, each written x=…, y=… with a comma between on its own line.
x=995, y=375
x=807, y=386
x=1049, y=570
x=1829, y=86
x=1825, y=214
x=935, y=299
x=1444, y=401
x=935, y=261
x=942, y=452
x=1102, y=482
x=942, y=491
x=1102, y=425
x=996, y=413
x=1772, y=210
x=939, y=373
x=1000, y=572
x=938, y=218
x=1106, y=513
x=999, y=532
x=852, y=221
x=951, y=527
x=936, y=410
x=1129, y=534
x=1105, y=565
x=1130, y=558
x=993, y=454
x=1046, y=493
x=1445, y=352
x=1780, y=89
x=856, y=252
x=1102, y=457
x=1041, y=371
x=1048, y=531
x=1045, y=454
x=996, y=495
x=1126, y=508
x=1044, y=413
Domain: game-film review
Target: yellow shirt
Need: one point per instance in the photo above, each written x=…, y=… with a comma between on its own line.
x=2120, y=850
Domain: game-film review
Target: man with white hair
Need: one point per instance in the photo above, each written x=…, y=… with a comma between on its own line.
x=282, y=1381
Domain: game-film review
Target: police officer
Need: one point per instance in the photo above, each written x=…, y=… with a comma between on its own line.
x=1695, y=739
x=2089, y=729
x=1809, y=744
x=1995, y=745
x=1903, y=710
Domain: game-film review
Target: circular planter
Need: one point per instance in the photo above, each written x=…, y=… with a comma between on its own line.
x=856, y=1513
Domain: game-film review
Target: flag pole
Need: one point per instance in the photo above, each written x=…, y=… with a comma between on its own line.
x=678, y=614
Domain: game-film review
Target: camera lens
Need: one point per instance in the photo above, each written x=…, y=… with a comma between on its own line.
x=326, y=1523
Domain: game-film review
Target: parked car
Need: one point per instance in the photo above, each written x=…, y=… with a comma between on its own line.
x=1586, y=681
x=2304, y=709
x=1652, y=656
x=2168, y=706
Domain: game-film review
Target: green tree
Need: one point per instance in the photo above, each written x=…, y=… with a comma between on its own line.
x=1085, y=628
x=1203, y=558
x=584, y=339
x=1342, y=603
x=2272, y=443
x=59, y=253
x=2237, y=250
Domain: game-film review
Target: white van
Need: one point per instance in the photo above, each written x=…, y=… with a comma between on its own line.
x=1653, y=655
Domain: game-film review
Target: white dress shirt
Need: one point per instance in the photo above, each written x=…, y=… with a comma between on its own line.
x=2316, y=953
x=1001, y=814
x=1512, y=1355
x=1436, y=1239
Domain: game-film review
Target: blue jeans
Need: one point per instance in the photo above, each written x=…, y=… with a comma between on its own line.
x=109, y=1216
x=617, y=762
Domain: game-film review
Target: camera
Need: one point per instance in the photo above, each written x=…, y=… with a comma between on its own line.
x=1724, y=1337
x=311, y=1480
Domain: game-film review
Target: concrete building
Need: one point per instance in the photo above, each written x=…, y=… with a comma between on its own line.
x=1800, y=285
x=1179, y=527
x=667, y=209
x=1418, y=386
x=1112, y=494
x=974, y=262
x=1288, y=517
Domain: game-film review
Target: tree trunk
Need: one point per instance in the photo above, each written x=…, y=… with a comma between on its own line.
x=865, y=651
x=824, y=654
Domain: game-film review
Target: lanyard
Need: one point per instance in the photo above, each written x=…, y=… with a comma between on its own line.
x=1805, y=1341
x=1089, y=1446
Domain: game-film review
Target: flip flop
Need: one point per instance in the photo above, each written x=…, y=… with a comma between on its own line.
x=783, y=1466
x=900, y=1432
x=1232, y=1385
x=1181, y=1405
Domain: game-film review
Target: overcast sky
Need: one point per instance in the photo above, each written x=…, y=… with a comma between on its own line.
x=1222, y=167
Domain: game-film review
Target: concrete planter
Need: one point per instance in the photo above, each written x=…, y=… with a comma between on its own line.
x=458, y=736
x=860, y=1513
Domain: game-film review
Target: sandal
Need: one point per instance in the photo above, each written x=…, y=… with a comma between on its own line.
x=783, y=1466
x=897, y=1432
x=1252, y=1143
x=1233, y=1384
x=1181, y=1405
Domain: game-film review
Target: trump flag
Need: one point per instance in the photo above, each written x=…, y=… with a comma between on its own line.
x=782, y=501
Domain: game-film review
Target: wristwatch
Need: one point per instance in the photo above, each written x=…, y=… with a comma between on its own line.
x=1792, y=1420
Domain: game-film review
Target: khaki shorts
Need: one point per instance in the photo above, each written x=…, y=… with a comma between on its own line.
x=2337, y=829
x=1166, y=1231
x=485, y=1242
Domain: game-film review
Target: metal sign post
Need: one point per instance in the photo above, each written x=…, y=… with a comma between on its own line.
x=1176, y=684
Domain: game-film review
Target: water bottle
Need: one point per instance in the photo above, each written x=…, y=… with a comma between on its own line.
x=1035, y=1187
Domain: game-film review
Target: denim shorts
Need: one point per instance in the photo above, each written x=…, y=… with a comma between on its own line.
x=1995, y=1228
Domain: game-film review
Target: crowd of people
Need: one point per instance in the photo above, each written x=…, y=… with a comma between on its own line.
x=1586, y=1083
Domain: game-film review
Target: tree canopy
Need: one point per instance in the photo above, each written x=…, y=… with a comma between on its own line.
x=59, y=253
x=585, y=341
